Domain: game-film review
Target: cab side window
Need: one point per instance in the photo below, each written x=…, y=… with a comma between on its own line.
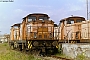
x=70, y=21
x=78, y=20
x=43, y=18
x=31, y=18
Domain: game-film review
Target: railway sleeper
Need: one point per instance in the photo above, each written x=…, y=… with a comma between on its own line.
x=11, y=45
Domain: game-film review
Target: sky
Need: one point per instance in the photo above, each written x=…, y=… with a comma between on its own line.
x=13, y=12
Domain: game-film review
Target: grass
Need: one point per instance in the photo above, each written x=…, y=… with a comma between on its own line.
x=82, y=57
x=7, y=54
x=79, y=57
x=62, y=55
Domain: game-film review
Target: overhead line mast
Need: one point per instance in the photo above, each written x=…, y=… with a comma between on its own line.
x=87, y=9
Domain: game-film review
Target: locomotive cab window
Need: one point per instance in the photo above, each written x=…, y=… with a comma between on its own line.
x=45, y=36
x=40, y=36
x=70, y=21
x=31, y=18
x=78, y=20
x=16, y=27
x=50, y=35
x=43, y=18
x=35, y=35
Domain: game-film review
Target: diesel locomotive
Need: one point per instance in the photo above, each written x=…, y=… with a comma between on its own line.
x=37, y=32
x=74, y=29
x=34, y=33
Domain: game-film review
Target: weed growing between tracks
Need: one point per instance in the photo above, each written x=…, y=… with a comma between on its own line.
x=63, y=55
x=7, y=54
x=82, y=57
x=60, y=54
x=78, y=57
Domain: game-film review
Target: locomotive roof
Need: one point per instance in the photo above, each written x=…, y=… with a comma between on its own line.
x=72, y=17
x=55, y=25
x=18, y=24
x=36, y=14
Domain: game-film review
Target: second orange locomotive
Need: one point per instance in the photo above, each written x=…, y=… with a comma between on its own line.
x=74, y=29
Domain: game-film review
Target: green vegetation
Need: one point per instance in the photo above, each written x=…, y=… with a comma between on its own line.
x=81, y=57
x=62, y=55
x=7, y=54
x=78, y=57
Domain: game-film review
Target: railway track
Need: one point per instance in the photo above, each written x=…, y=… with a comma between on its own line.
x=52, y=57
x=49, y=57
x=60, y=58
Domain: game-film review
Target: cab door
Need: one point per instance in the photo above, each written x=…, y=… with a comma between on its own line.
x=42, y=32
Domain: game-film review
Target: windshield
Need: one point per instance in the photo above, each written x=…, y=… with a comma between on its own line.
x=70, y=21
x=43, y=18
x=31, y=18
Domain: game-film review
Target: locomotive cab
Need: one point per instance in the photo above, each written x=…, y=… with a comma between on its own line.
x=39, y=27
x=70, y=28
x=15, y=32
x=72, y=20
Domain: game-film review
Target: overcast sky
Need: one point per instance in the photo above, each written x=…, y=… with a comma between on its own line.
x=13, y=12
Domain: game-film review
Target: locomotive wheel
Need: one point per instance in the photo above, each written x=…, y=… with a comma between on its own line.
x=12, y=47
x=43, y=54
x=15, y=45
x=55, y=50
x=72, y=41
x=20, y=47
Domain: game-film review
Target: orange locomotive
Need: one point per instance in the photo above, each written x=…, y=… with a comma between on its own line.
x=71, y=30
x=36, y=32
